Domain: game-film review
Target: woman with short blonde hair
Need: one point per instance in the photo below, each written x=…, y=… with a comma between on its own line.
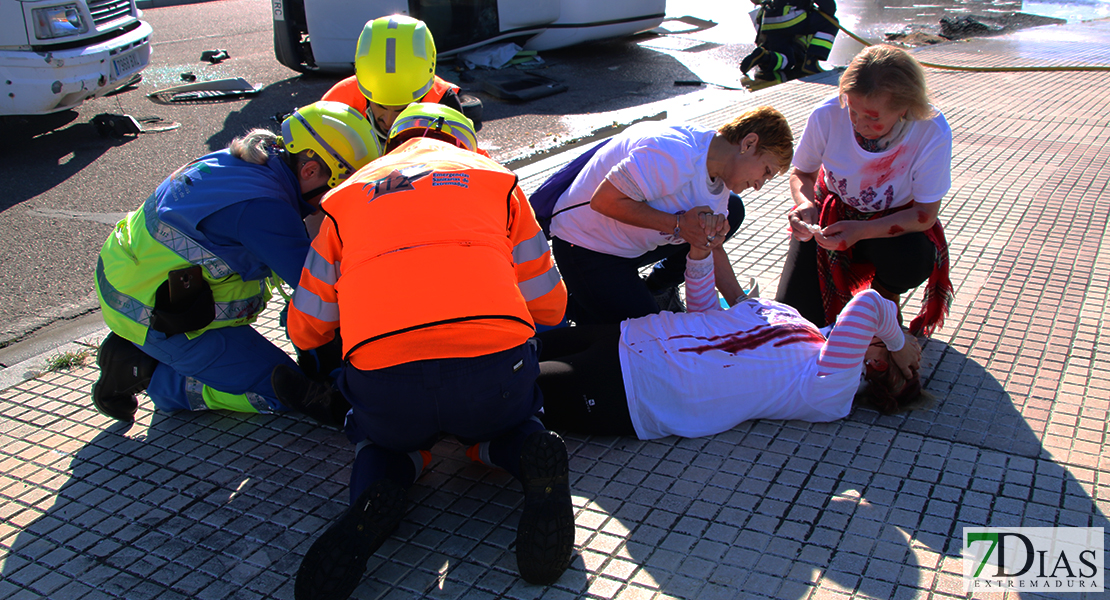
x=869, y=175
x=641, y=199
x=888, y=70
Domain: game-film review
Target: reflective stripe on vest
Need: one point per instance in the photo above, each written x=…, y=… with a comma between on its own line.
x=540, y=285
x=312, y=305
x=135, y=261
x=790, y=17
x=183, y=245
x=438, y=90
x=479, y=193
x=529, y=250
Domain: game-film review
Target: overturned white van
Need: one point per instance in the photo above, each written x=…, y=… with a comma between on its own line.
x=55, y=54
x=321, y=35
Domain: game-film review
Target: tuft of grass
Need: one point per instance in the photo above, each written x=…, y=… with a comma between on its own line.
x=68, y=360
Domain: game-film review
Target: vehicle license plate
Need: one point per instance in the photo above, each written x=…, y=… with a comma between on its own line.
x=125, y=64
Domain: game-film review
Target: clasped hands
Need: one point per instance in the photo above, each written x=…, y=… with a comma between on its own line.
x=703, y=230
x=838, y=236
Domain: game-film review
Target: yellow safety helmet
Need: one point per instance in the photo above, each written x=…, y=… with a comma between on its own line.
x=337, y=133
x=422, y=117
x=395, y=63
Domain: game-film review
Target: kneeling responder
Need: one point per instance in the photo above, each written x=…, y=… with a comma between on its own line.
x=445, y=274
x=181, y=279
x=395, y=65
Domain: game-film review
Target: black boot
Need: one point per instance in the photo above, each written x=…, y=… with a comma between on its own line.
x=320, y=401
x=124, y=371
x=545, y=535
x=670, y=299
x=665, y=292
x=333, y=566
x=753, y=59
x=811, y=66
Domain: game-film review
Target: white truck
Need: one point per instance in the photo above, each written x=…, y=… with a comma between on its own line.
x=55, y=54
x=321, y=35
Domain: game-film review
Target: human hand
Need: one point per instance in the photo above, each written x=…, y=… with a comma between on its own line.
x=691, y=226
x=803, y=221
x=715, y=227
x=840, y=235
x=908, y=359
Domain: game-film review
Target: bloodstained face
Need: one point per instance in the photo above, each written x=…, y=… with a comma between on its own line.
x=879, y=369
x=871, y=116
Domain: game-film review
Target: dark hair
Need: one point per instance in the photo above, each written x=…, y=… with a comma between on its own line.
x=889, y=392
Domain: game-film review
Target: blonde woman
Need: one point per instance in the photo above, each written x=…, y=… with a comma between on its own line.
x=869, y=175
x=180, y=279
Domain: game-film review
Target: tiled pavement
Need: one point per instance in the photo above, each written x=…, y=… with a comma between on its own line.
x=219, y=505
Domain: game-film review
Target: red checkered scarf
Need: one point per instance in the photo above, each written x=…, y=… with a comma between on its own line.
x=841, y=278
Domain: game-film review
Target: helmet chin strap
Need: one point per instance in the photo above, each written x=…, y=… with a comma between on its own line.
x=317, y=191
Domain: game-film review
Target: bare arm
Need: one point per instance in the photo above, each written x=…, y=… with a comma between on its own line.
x=613, y=203
x=726, y=280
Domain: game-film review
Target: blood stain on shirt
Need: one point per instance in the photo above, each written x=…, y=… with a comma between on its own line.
x=883, y=169
x=781, y=335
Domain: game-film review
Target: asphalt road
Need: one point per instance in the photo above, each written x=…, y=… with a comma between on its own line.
x=62, y=185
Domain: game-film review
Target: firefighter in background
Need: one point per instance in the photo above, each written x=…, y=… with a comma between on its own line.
x=792, y=38
x=395, y=65
x=181, y=279
x=444, y=274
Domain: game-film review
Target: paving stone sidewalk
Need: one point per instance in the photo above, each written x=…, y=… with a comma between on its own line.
x=220, y=505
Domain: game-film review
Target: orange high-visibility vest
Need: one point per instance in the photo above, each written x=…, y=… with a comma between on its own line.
x=431, y=251
x=347, y=92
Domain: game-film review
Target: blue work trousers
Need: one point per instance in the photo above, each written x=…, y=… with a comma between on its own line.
x=400, y=410
x=227, y=368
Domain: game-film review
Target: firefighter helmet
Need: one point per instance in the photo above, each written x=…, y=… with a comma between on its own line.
x=335, y=132
x=421, y=117
x=395, y=63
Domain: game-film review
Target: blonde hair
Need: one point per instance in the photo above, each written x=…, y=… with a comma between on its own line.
x=258, y=144
x=254, y=147
x=775, y=137
x=884, y=69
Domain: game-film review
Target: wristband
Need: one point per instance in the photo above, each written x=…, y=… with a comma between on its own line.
x=677, y=223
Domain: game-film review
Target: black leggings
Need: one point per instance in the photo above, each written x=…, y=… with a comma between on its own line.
x=581, y=380
x=901, y=264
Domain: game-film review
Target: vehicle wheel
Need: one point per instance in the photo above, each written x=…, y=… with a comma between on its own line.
x=472, y=109
x=289, y=48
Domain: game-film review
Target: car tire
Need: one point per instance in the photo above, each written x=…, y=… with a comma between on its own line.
x=288, y=47
x=472, y=108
